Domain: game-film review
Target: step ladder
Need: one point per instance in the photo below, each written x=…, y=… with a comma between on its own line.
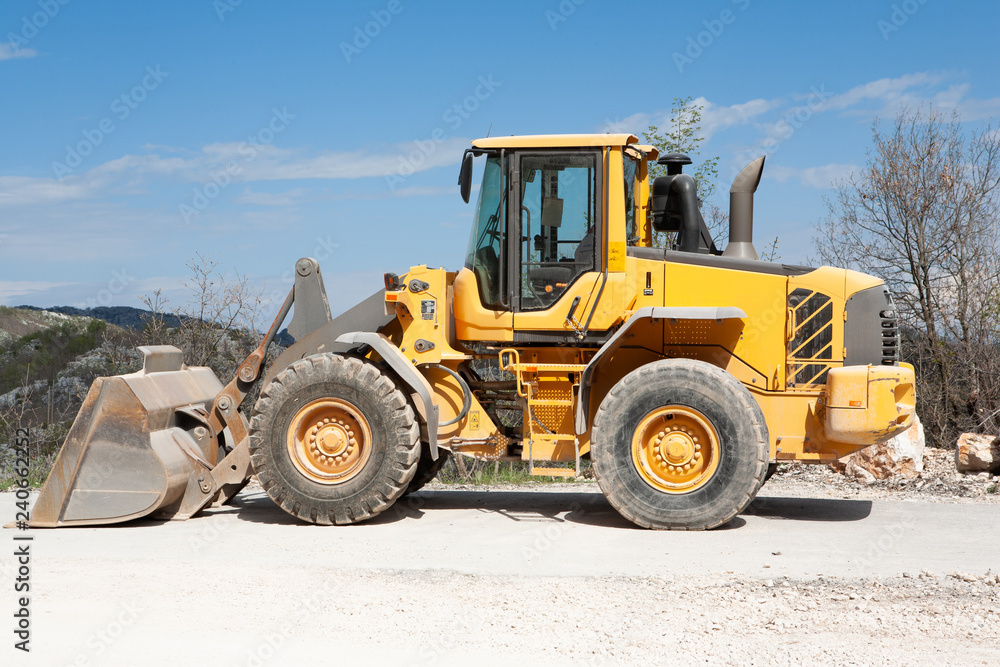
x=530, y=392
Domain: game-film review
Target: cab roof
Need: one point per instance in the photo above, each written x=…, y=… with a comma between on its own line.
x=556, y=141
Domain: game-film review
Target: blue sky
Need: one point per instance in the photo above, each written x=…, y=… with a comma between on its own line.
x=136, y=135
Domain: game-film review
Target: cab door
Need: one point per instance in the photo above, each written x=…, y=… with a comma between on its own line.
x=555, y=259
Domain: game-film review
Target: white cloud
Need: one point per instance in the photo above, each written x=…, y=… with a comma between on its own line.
x=254, y=198
x=890, y=95
x=821, y=177
x=241, y=162
x=885, y=91
x=769, y=123
x=426, y=191
x=25, y=190
x=10, y=52
x=715, y=118
x=12, y=290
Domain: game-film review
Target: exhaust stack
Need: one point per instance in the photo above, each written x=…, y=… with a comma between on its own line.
x=741, y=211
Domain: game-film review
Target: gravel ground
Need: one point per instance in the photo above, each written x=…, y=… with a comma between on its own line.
x=916, y=618
x=939, y=482
x=287, y=598
x=714, y=620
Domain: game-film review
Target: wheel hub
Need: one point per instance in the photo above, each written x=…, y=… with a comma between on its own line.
x=329, y=441
x=675, y=449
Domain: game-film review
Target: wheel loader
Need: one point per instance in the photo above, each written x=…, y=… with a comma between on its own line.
x=682, y=372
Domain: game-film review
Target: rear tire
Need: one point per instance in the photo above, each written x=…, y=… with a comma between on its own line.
x=333, y=440
x=679, y=444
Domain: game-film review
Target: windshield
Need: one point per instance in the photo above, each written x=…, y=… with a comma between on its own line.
x=486, y=242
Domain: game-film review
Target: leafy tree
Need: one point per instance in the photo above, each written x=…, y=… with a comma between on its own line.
x=684, y=135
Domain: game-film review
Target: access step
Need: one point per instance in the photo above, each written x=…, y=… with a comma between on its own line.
x=553, y=472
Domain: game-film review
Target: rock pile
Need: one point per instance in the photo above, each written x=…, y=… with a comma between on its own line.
x=901, y=455
x=977, y=453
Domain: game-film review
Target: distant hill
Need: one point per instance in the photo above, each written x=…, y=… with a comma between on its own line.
x=126, y=317
x=18, y=322
x=122, y=316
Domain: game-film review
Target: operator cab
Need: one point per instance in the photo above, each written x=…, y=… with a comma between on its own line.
x=538, y=257
x=555, y=203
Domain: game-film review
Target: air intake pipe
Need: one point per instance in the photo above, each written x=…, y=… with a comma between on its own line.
x=741, y=211
x=674, y=204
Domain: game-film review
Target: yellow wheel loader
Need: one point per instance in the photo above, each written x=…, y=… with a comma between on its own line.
x=682, y=372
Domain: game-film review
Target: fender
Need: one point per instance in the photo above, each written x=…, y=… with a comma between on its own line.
x=649, y=312
x=406, y=371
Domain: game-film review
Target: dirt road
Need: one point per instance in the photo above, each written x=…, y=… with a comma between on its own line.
x=507, y=577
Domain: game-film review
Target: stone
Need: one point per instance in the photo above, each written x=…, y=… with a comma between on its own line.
x=900, y=455
x=977, y=453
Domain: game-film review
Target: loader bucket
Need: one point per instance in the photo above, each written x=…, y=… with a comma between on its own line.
x=140, y=445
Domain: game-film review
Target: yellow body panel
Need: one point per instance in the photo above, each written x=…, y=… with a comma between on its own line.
x=472, y=320
x=788, y=350
x=761, y=342
x=426, y=316
x=866, y=404
x=606, y=313
x=556, y=141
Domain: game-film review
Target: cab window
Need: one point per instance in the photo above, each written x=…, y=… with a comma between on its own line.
x=488, y=235
x=558, y=221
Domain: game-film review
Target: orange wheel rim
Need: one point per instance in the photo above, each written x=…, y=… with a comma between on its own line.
x=329, y=441
x=675, y=449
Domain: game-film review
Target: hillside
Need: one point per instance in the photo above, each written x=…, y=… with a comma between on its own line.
x=125, y=317
x=122, y=316
x=25, y=320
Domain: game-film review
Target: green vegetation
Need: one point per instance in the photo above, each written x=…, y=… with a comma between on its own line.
x=41, y=355
x=684, y=135
x=463, y=470
x=44, y=444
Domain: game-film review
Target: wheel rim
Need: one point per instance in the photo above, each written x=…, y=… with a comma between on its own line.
x=329, y=441
x=675, y=449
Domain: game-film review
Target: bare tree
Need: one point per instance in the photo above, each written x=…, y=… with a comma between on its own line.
x=216, y=327
x=922, y=215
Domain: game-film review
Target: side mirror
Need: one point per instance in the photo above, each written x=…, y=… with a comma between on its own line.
x=465, y=176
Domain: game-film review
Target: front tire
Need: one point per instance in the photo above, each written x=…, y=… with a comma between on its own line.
x=679, y=444
x=427, y=468
x=333, y=440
